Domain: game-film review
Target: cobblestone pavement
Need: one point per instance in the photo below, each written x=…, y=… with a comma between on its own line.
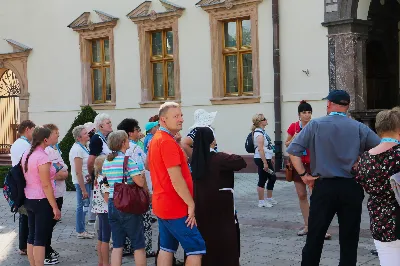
x=268, y=235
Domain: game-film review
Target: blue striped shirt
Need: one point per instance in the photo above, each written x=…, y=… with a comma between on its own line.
x=114, y=172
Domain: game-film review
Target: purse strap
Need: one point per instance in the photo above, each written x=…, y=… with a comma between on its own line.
x=125, y=170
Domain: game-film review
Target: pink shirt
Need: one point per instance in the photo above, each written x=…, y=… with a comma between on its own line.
x=33, y=189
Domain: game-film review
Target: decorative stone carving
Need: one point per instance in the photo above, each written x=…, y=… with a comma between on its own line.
x=141, y=13
x=228, y=4
x=83, y=23
x=1, y=64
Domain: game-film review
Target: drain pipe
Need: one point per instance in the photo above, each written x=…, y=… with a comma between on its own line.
x=277, y=87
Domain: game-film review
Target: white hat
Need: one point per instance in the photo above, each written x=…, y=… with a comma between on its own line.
x=202, y=118
x=89, y=126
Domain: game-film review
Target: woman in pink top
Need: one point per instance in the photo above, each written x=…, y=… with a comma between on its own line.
x=39, y=191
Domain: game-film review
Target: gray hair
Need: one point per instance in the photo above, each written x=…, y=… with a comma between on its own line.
x=166, y=106
x=99, y=119
x=77, y=131
x=115, y=141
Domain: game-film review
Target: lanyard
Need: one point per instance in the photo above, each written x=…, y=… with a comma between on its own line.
x=390, y=140
x=167, y=131
x=101, y=136
x=337, y=113
x=57, y=147
x=25, y=138
x=83, y=147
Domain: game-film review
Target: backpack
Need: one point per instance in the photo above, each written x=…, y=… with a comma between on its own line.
x=14, y=185
x=249, y=144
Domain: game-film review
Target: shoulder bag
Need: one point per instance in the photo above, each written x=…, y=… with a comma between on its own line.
x=130, y=198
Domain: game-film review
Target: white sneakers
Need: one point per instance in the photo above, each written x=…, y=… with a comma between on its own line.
x=264, y=203
x=84, y=235
x=268, y=202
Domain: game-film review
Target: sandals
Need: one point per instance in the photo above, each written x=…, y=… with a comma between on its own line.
x=23, y=252
x=304, y=231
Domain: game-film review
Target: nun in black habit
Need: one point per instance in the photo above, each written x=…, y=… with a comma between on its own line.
x=213, y=176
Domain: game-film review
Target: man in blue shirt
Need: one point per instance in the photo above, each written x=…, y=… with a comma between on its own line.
x=335, y=142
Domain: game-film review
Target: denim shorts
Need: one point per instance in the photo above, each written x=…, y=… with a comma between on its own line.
x=175, y=231
x=40, y=220
x=104, y=232
x=125, y=225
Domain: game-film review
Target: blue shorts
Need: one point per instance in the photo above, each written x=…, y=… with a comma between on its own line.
x=125, y=225
x=175, y=231
x=104, y=232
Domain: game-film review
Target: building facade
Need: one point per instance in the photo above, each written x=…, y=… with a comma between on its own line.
x=127, y=57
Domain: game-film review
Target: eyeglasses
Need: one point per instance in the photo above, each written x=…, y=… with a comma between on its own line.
x=137, y=129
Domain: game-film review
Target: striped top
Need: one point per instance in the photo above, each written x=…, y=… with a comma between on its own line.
x=114, y=173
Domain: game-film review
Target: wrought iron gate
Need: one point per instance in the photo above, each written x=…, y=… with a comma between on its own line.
x=9, y=110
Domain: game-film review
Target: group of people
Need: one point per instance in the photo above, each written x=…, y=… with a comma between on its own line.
x=192, y=184
x=184, y=175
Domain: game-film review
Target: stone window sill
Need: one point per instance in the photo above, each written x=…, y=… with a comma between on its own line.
x=235, y=100
x=155, y=104
x=102, y=106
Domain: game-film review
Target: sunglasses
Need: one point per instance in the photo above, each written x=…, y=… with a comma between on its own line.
x=264, y=119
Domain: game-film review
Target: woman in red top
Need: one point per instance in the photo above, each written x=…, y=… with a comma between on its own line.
x=304, y=112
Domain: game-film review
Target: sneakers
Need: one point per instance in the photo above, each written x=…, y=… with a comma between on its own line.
x=54, y=254
x=84, y=235
x=271, y=201
x=91, y=222
x=50, y=261
x=263, y=203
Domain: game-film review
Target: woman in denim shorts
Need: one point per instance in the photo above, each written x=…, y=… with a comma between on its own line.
x=123, y=224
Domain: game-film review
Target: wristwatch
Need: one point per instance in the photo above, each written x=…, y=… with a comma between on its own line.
x=303, y=174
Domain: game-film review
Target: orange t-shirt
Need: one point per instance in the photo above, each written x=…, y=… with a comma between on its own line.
x=164, y=152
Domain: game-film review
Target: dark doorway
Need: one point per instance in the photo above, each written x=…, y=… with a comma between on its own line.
x=383, y=55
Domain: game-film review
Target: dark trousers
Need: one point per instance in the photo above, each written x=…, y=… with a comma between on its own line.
x=339, y=196
x=49, y=249
x=23, y=231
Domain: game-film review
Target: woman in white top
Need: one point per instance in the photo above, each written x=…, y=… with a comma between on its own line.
x=263, y=159
x=78, y=157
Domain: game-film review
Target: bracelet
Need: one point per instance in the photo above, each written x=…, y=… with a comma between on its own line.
x=303, y=174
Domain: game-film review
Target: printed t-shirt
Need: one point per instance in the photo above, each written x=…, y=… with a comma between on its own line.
x=114, y=171
x=17, y=150
x=99, y=204
x=78, y=152
x=268, y=147
x=34, y=189
x=55, y=158
x=295, y=128
x=164, y=153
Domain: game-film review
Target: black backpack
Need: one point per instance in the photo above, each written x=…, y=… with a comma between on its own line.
x=249, y=144
x=14, y=185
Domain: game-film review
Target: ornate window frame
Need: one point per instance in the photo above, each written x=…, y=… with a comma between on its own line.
x=89, y=31
x=220, y=11
x=147, y=22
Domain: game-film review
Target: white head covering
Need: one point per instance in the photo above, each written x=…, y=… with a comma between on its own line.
x=202, y=118
x=89, y=126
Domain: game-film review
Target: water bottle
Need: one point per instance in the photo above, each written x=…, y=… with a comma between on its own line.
x=140, y=162
x=270, y=171
x=86, y=204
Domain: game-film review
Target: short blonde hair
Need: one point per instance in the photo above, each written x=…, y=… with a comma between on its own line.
x=166, y=106
x=387, y=121
x=115, y=141
x=257, y=118
x=98, y=164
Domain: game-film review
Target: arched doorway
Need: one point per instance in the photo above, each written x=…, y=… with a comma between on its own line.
x=10, y=91
x=382, y=55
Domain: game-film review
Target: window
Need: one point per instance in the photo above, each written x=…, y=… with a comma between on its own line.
x=162, y=65
x=234, y=50
x=96, y=41
x=238, y=74
x=100, y=69
x=159, y=52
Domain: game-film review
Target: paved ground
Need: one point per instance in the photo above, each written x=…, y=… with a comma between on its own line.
x=268, y=235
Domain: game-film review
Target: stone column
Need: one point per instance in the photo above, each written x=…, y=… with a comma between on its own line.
x=347, y=59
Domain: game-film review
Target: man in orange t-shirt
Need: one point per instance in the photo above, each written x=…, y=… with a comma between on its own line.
x=173, y=191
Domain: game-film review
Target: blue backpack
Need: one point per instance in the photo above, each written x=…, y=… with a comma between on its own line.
x=14, y=185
